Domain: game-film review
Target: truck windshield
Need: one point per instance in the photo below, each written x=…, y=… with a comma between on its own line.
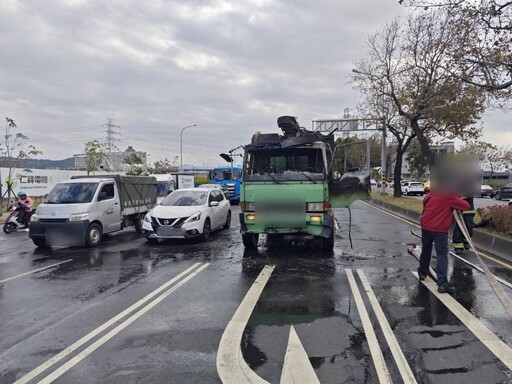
x=185, y=198
x=72, y=193
x=225, y=174
x=162, y=189
x=290, y=164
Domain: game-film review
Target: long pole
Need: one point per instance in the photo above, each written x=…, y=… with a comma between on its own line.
x=383, y=167
x=181, y=144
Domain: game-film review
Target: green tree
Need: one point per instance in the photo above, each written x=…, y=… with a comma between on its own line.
x=351, y=152
x=16, y=150
x=417, y=162
x=135, y=166
x=94, y=155
x=406, y=64
x=165, y=165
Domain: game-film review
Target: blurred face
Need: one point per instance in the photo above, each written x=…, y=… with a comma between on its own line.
x=23, y=197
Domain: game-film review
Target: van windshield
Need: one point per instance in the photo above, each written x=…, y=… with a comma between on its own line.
x=72, y=193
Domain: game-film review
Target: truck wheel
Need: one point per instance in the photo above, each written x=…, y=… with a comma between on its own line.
x=138, y=222
x=227, y=224
x=327, y=243
x=93, y=235
x=207, y=230
x=9, y=228
x=38, y=242
x=250, y=240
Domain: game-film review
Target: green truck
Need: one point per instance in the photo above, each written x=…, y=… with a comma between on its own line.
x=289, y=186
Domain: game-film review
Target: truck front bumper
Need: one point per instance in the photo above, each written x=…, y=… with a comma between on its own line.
x=59, y=233
x=315, y=224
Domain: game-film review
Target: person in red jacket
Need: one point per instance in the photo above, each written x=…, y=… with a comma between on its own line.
x=435, y=222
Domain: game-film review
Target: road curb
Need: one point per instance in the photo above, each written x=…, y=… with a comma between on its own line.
x=485, y=241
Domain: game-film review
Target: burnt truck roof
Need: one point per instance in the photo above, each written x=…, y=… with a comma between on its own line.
x=293, y=136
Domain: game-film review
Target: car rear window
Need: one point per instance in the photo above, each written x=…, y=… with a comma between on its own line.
x=416, y=185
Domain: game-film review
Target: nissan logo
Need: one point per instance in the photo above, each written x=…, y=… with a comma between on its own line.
x=166, y=222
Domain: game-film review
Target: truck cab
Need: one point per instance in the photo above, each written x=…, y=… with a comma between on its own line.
x=231, y=177
x=289, y=186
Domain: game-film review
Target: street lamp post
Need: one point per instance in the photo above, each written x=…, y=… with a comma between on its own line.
x=181, y=144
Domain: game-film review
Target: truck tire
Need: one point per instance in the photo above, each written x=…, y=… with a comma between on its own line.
x=227, y=224
x=93, y=235
x=327, y=243
x=138, y=222
x=38, y=242
x=207, y=230
x=250, y=240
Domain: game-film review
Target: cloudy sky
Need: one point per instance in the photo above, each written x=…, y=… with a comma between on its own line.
x=231, y=67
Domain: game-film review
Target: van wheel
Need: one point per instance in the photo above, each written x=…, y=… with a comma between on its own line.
x=250, y=240
x=227, y=224
x=38, y=242
x=138, y=222
x=93, y=235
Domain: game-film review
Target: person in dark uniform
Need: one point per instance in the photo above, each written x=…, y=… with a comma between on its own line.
x=458, y=240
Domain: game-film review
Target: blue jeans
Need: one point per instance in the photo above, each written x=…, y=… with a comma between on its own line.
x=440, y=239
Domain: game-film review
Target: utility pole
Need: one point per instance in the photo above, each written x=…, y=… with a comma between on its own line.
x=111, y=139
x=181, y=144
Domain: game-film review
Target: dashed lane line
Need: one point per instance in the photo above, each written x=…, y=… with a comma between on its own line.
x=396, y=351
x=371, y=337
x=502, y=263
x=90, y=349
x=67, y=351
x=501, y=350
x=231, y=366
x=34, y=271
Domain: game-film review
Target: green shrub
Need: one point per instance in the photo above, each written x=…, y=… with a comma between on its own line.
x=498, y=218
x=201, y=180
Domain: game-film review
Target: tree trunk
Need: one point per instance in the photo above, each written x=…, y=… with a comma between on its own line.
x=397, y=173
x=422, y=140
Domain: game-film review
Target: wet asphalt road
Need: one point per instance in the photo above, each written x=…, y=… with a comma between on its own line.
x=176, y=341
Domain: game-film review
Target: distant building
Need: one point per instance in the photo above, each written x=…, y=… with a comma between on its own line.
x=115, y=161
x=502, y=177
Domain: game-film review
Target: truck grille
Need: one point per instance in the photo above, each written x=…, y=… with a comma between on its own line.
x=231, y=187
x=281, y=207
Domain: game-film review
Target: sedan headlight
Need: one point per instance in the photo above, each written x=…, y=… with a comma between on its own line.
x=79, y=217
x=194, y=217
x=34, y=217
x=147, y=218
x=315, y=207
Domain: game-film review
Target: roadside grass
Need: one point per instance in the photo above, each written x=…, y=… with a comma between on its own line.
x=405, y=202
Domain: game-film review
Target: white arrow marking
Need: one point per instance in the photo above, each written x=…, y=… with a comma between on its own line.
x=297, y=368
x=231, y=365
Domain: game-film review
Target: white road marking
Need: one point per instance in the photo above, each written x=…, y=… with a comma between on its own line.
x=35, y=271
x=297, y=368
x=65, y=352
x=401, y=361
x=231, y=366
x=375, y=351
x=336, y=224
x=90, y=349
x=501, y=350
x=506, y=265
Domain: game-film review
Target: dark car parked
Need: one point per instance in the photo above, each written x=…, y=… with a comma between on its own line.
x=504, y=192
x=486, y=190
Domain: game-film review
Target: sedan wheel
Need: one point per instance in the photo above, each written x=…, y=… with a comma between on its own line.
x=207, y=230
x=227, y=224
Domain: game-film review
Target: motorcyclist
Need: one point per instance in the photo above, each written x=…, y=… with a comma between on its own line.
x=25, y=205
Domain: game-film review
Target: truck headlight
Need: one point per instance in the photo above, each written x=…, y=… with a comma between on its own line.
x=34, y=217
x=147, y=218
x=79, y=217
x=194, y=217
x=315, y=207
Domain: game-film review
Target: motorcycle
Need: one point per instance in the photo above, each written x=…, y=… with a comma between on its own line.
x=12, y=222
